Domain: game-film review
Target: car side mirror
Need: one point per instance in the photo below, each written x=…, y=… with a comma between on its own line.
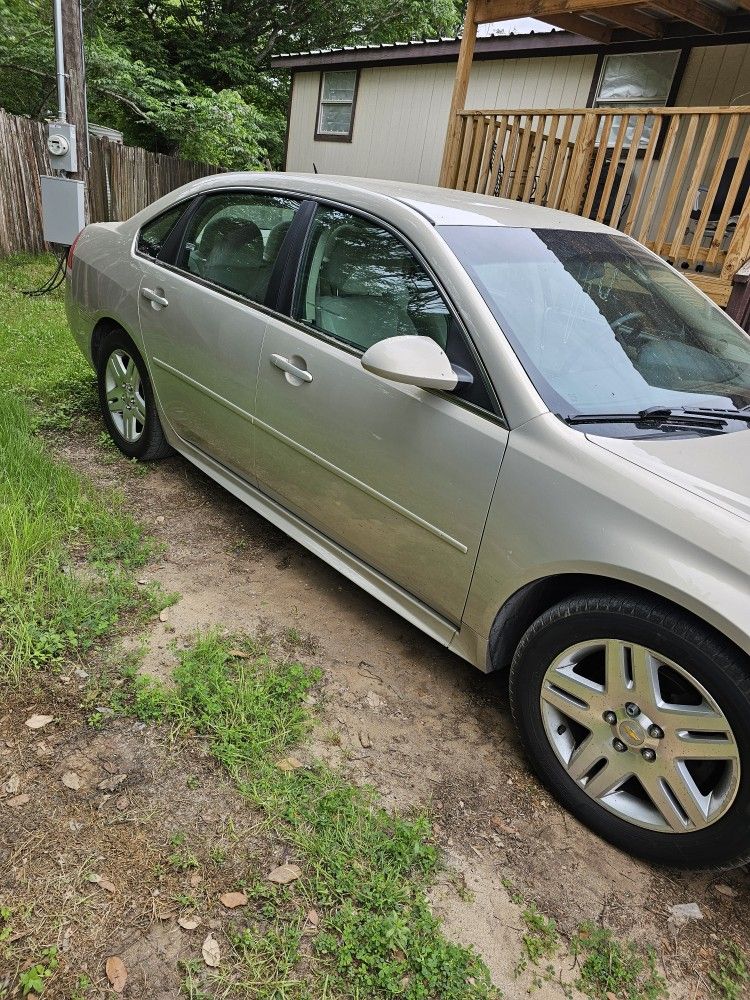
x=416, y=361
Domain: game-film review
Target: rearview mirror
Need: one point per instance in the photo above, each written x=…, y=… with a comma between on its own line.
x=413, y=360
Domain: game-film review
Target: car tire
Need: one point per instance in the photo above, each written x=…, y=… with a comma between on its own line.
x=126, y=399
x=686, y=803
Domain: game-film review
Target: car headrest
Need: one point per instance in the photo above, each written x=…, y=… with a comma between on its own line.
x=241, y=245
x=359, y=263
x=274, y=241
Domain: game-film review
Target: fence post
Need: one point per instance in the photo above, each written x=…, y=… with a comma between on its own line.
x=580, y=164
x=460, y=87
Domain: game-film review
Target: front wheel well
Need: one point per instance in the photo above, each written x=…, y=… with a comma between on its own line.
x=523, y=608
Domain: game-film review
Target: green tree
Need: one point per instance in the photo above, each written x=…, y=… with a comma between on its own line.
x=193, y=76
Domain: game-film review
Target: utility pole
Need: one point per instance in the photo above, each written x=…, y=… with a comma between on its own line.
x=64, y=191
x=77, y=114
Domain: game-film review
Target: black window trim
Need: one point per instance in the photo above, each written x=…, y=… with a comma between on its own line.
x=174, y=242
x=289, y=264
x=177, y=225
x=289, y=294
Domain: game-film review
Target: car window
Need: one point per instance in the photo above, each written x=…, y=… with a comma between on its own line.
x=234, y=240
x=602, y=325
x=361, y=284
x=153, y=235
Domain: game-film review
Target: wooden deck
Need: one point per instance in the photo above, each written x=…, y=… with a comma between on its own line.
x=674, y=178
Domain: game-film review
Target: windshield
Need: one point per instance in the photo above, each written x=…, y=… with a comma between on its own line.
x=601, y=325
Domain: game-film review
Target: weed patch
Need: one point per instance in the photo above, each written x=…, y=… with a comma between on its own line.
x=65, y=553
x=540, y=941
x=364, y=870
x=730, y=981
x=609, y=966
x=40, y=358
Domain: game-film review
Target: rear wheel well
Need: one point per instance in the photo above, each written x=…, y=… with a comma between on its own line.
x=100, y=331
x=527, y=604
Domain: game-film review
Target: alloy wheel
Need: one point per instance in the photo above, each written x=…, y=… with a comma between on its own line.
x=126, y=400
x=640, y=735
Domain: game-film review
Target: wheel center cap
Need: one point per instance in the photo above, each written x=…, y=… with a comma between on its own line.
x=631, y=733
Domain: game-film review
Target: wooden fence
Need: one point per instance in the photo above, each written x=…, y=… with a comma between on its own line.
x=121, y=181
x=677, y=179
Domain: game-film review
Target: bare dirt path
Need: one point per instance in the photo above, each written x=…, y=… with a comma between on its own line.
x=426, y=729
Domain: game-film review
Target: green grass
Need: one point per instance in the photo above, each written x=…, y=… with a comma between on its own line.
x=39, y=357
x=732, y=978
x=611, y=967
x=539, y=941
x=66, y=550
x=364, y=870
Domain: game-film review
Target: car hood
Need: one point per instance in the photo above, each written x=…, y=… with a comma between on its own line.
x=716, y=468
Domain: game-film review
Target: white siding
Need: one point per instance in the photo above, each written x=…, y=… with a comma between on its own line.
x=716, y=75
x=402, y=111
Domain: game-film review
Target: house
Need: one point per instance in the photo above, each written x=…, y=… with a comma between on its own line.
x=638, y=115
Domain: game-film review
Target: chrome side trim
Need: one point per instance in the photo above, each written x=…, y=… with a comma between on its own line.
x=403, y=511
x=374, y=583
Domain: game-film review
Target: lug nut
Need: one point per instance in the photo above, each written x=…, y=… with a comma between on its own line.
x=632, y=710
x=619, y=746
x=648, y=754
x=656, y=733
x=610, y=718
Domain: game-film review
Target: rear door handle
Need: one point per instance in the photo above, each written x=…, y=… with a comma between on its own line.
x=152, y=296
x=286, y=366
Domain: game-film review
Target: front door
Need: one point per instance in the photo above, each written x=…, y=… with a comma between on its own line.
x=400, y=476
x=201, y=326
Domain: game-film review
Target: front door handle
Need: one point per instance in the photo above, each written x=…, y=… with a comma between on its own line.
x=286, y=366
x=152, y=296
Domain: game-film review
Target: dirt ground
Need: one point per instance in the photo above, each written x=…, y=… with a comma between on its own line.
x=397, y=711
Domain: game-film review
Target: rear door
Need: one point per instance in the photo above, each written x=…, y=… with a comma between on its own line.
x=400, y=476
x=203, y=316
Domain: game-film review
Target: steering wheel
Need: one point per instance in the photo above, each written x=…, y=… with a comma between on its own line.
x=622, y=320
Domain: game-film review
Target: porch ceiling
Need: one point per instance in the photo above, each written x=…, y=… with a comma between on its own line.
x=598, y=19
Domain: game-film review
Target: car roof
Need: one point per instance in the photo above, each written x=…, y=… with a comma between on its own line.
x=441, y=206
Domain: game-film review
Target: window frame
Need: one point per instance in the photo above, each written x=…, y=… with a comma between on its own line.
x=319, y=135
x=173, y=245
x=677, y=76
x=671, y=94
x=293, y=277
x=177, y=225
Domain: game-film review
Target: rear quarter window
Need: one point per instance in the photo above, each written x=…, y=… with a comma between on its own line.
x=153, y=235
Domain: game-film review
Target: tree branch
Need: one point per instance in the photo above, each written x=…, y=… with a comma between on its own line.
x=26, y=69
x=144, y=115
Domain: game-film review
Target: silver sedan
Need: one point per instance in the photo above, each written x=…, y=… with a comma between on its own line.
x=517, y=428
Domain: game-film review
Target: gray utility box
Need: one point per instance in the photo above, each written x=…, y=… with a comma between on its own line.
x=61, y=146
x=63, y=209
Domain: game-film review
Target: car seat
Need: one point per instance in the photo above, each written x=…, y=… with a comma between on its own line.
x=274, y=240
x=366, y=297
x=235, y=259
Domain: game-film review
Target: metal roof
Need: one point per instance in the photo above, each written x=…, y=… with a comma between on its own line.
x=602, y=22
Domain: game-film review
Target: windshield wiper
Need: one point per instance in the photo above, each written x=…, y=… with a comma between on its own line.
x=722, y=414
x=653, y=415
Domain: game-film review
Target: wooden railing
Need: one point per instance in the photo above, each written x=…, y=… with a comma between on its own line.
x=674, y=178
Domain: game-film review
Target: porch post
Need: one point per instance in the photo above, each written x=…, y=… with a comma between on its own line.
x=458, y=101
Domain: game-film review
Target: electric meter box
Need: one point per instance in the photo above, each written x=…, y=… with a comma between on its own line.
x=61, y=146
x=63, y=209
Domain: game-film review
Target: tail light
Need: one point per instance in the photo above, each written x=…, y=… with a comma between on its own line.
x=71, y=251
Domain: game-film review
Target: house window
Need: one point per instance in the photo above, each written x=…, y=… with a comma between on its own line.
x=640, y=78
x=637, y=79
x=338, y=95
